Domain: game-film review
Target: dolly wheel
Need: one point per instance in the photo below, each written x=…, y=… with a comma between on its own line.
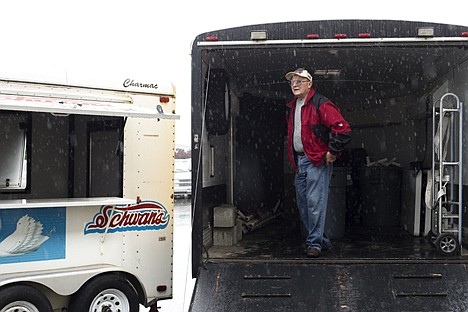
x=447, y=244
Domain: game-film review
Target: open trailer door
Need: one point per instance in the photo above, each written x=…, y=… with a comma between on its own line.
x=386, y=77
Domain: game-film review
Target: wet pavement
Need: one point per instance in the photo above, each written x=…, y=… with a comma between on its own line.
x=183, y=283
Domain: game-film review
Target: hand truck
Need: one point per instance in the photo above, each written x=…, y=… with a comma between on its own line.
x=447, y=175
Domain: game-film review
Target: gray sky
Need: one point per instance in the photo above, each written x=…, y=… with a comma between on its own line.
x=153, y=38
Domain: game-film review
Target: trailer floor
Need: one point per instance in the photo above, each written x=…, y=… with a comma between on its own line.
x=309, y=287
x=367, y=270
x=278, y=241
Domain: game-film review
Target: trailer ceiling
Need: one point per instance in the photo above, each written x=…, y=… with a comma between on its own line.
x=367, y=73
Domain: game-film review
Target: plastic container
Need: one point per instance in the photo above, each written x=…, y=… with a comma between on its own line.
x=335, y=222
x=381, y=196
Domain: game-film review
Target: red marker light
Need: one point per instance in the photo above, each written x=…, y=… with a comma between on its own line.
x=161, y=288
x=211, y=38
x=340, y=36
x=464, y=34
x=364, y=35
x=164, y=99
x=313, y=36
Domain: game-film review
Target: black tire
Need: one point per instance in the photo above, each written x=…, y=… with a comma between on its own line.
x=23, y=298
x=111, y=291
x=447, y=244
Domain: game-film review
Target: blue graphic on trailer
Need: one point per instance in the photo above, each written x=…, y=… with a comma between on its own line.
x=34, y=234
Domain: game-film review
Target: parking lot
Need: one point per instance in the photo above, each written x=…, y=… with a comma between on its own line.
x=183, y=283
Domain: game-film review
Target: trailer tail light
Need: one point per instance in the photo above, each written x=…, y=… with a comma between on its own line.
x=340, y=36
x=161, y=288
x=313, y=36
x=364, y=35
x=464, y=34
x=164, y=99
x=211, y=38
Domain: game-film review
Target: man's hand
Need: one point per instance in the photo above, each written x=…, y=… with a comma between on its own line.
x=330, y=158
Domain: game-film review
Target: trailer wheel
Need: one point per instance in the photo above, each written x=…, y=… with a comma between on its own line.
x=23, y=298
x=110, y=293
x=447, y=244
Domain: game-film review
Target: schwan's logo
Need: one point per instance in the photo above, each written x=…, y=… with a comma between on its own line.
x=144, y=216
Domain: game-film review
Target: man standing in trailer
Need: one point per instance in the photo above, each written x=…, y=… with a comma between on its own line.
x=317, y=134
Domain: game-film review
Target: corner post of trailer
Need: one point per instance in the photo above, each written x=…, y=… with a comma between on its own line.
x=197, y=128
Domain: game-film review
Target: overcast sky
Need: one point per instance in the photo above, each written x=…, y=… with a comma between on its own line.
x=153, y=38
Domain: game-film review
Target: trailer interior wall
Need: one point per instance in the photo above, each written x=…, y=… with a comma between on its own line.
x=461, y=89
x=391, y=127
x=386, y=90
x=97, y=148
x=49, y=162
x=379, y=130
x=50, y=168
x=386, y=112
x=259, y=141
x=49, y=157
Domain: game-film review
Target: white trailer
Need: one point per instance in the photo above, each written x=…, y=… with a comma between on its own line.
x=86, y=195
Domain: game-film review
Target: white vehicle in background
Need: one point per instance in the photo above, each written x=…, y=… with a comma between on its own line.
x=183, y=178
x=86, y=199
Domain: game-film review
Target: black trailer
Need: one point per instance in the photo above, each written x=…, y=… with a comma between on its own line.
x=386, y=77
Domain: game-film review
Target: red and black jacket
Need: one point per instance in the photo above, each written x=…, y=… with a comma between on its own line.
x=323, y=128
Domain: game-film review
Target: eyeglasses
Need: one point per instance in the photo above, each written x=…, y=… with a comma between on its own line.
x=297, y=82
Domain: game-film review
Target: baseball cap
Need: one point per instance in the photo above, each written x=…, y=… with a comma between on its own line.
x=300, y=72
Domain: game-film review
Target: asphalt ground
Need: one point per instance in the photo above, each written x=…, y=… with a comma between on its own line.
x=183, y=283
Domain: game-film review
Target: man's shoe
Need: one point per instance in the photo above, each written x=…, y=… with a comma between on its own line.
x=313, y=252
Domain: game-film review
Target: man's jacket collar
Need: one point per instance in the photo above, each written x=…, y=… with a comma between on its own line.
x=309, y=96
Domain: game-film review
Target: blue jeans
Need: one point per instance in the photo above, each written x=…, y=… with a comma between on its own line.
x=311, y=185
